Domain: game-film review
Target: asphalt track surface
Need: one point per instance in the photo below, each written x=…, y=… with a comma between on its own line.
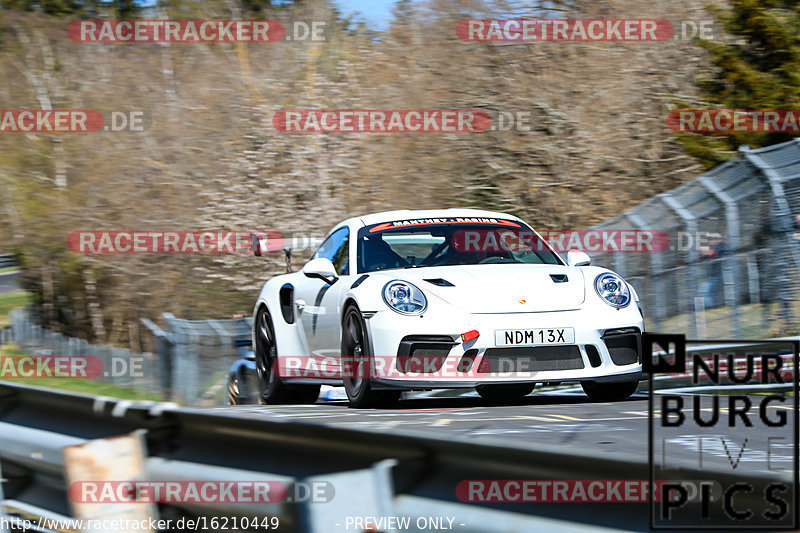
x=9, y=282
x=567, y=419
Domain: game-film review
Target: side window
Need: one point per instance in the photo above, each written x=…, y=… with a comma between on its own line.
x=336, y=248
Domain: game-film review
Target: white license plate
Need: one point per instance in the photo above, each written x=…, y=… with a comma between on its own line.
x=532, y=337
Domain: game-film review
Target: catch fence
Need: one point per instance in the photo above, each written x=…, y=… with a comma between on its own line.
x=191, y=360
x=731, y=268
x=195, y=355
x=107, y=364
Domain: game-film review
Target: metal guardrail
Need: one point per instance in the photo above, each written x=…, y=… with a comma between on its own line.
x=8, y=260
x=373, y=474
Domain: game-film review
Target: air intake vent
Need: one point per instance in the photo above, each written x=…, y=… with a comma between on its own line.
x=439, y=282
x=359, y=281
x=559, y=278
x=593, y=355
x=624, y=345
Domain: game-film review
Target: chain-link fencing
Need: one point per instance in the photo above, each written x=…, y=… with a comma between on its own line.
x=98, y=362
x=195, y=355
x=731, y=267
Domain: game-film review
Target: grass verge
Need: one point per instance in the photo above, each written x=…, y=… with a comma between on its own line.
x=10, y=301
x=81, y=385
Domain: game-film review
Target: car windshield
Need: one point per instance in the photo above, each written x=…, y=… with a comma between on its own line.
x=449, y=242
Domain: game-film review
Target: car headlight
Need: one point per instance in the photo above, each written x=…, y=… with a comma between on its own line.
x=404, y=298
x=613, y=290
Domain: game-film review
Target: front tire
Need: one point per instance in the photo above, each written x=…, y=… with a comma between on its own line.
x=609, y=392
x=358, y=363
x=505, y=393
x=270, y=386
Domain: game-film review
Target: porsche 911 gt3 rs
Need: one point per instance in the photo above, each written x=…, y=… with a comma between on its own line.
x=410, y=300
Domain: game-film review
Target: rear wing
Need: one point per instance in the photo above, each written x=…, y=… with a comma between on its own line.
x=274, y=243
x=265, y=244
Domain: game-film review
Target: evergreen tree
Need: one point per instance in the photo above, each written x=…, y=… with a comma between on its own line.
x=757, y=67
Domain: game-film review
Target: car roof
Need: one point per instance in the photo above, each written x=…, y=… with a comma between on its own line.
x=408, y=214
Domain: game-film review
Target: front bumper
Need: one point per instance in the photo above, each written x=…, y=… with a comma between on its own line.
x=607, y=348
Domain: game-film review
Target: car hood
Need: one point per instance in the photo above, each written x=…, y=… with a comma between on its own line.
x=505, y=288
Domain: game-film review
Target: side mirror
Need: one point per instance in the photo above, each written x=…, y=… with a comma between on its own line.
x=577, y=258
x=321, y=268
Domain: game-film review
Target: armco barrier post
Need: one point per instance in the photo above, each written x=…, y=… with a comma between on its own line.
x=165, y=352
x=690, y=223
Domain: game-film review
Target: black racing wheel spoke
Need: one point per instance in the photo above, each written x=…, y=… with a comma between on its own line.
x=352, y=330
x=265, y=347
x=355, y=350
x=271, y=388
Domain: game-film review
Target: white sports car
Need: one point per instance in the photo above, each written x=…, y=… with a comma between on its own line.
x=416, y=300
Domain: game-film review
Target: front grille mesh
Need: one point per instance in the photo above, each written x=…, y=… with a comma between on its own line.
x=533, y=358
x=424, y=358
